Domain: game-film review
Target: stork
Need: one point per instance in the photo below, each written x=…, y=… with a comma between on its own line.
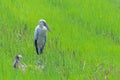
x=40, y=36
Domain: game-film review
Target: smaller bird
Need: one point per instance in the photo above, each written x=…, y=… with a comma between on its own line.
x=40, y=36
x=17, y=61
x=18, y=64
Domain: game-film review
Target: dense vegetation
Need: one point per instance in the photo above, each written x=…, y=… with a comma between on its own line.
x=84, y=43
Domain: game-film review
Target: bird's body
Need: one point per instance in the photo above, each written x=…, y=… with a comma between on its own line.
x=17, y=62
x=40, y=36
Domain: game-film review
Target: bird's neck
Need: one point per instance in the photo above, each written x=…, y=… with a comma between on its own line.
x=41, y=26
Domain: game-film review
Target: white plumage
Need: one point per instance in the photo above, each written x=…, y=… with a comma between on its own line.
x=40, y=36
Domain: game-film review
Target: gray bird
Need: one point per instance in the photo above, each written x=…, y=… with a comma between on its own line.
x=40, y=36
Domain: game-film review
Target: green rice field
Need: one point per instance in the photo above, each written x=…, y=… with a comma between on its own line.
x=84, y=43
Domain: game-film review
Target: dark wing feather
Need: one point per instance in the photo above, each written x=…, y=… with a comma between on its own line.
x=35, y=42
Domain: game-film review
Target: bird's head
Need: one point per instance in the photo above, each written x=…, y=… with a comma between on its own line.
x=42, y=22
x=18, y=57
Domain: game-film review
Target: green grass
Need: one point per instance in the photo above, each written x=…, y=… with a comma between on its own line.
x=84, y=43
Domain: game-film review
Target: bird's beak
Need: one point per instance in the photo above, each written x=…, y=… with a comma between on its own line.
x=48, y=28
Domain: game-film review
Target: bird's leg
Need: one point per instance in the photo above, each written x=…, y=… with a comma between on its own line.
x=41, y=50
x=42, y=59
